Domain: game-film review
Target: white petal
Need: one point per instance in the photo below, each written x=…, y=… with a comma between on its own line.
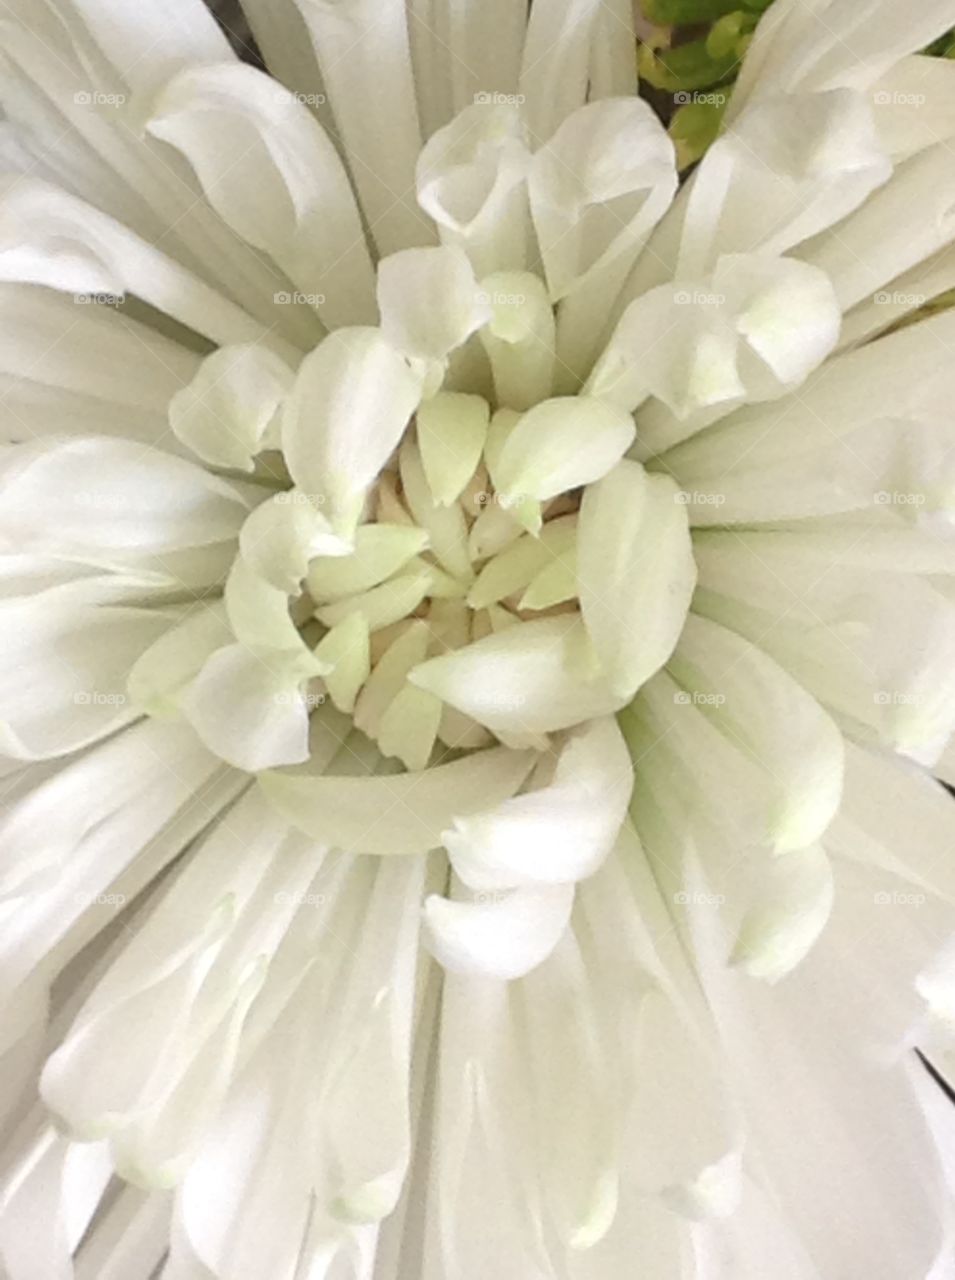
x=560, y=832
x=555, y=63
x=787, y=314
x=161, y=674
x=470, y=179
x=756, y=703
x=561, y=444
x=635, y=571
x=452, y=428
x=597, y=188
x=346, y=649
x=397, y=814
x=107, y=500
x=428, y=301
x=785, y=170
x=379, y=551
x=65, y=671
x=504, y=938
x=50, y=237
x=225, y=413
x=258, y=612
x=758, y=326
x=789, y=915
x=445, y=526
x=363, y=51
x=232, y=119
x=534, y=678
x=409, y=727
x=520, y=564
x=382, y=605
x=148, y=48
x=809, y=49
x=247, y=707
x=352, y=400
x=283, y=535
x=520, y=339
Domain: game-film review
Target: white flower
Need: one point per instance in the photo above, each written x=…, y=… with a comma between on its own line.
x=478, y=629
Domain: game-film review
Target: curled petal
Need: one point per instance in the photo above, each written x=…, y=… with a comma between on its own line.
x=504, y=937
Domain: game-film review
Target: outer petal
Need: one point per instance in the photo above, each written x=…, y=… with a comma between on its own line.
x=107, y=500
x=231, y=120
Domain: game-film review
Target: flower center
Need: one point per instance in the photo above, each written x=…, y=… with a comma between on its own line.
x=420, y=576
x=443, y=558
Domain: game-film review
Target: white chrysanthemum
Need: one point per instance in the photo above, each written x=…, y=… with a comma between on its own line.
x=476, y=620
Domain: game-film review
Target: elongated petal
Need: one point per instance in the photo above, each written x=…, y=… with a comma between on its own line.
x=787, y=732
x=108, y=499
x=636, y=572
x=352, y=400
x=399, y=814
x=610, y=155
x=300, y=208
x=533, y=678
x=452, y=428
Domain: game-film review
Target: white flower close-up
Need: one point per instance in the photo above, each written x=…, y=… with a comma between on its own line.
x=478, y=647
